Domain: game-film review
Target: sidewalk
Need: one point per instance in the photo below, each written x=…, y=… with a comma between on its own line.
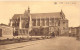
x=18, y=45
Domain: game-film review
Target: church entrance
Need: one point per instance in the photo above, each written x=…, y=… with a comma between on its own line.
x=15, y=33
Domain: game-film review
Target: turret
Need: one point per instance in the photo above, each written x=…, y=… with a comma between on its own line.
x=62, y=14
x=28, y=9
x=25, y=13
x=30, y=20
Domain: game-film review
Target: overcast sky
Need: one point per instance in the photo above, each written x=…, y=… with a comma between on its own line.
x=70, y=9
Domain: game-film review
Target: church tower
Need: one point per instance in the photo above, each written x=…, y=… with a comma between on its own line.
x=62, y=14
x=30, y=19
x=27, y=12
x=28, y=9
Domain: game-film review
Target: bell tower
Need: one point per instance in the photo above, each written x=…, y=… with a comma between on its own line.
x=62, y=14
x=30, y=19
x=28, y=9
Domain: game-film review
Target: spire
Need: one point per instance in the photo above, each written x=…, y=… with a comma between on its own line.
x=62, y=14
x=25, y=13
x=28, y=9
x=61, y=11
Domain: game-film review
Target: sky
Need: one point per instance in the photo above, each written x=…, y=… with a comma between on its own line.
x=71, y=9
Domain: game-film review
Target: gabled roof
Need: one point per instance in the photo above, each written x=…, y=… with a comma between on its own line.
x=54, y=15
x=17, y=16
x=42, y=15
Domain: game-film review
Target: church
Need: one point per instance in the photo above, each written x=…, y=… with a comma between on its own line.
x=37, y=24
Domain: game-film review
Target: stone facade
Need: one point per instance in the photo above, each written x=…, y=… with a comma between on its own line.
x=50, y=22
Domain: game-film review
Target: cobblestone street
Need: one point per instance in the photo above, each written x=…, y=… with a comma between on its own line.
x=57, y=43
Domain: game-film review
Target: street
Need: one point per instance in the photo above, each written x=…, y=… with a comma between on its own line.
x=57, y=43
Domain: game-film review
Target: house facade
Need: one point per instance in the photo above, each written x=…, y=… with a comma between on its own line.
x=74, y=31
x=6, y=31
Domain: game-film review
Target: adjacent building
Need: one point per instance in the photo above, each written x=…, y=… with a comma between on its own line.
x=74, y=31
x=39, y=23
x=78, y=32
x=6, y=31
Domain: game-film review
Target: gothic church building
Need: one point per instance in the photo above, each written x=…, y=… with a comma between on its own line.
x=39, y=23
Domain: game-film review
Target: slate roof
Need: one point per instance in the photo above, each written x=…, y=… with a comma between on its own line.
x=54, y=15
x=33, y=15
x=17, y=16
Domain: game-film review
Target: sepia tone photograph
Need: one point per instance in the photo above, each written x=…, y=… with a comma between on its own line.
x=39, y=25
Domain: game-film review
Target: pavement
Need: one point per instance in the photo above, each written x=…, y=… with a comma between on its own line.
x=57, y=43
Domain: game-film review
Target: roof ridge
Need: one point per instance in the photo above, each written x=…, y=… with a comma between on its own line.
x=45, y=13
